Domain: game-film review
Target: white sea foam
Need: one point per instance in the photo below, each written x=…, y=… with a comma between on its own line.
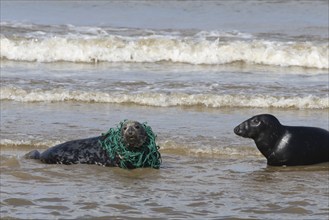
x=210, y=149
x=195, y=49
x=166, y=99
x=29, y=143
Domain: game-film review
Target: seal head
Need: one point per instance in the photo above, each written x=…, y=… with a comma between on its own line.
x=264, y=129
x=133, y=134
x=257, y=126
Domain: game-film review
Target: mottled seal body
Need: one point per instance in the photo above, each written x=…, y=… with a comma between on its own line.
x=90, y=150
x=286, y=145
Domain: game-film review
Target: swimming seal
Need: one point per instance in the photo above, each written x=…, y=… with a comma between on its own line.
x=133, y=137
x=286, y=145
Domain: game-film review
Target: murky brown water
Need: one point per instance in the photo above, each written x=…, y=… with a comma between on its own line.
x=207, y=171
x=186, y=187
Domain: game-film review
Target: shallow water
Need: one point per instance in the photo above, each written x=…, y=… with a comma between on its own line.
x=207, y=171
x=192, y=70
x=185, y=187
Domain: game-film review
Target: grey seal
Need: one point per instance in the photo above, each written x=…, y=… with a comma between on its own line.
x=91, y=151
x=286, y=145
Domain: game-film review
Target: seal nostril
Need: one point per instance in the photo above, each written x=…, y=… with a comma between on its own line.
x=236, y=130
x=130, y=131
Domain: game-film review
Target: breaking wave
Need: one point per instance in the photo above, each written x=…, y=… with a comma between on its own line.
x=166, y=99
x=78, y=44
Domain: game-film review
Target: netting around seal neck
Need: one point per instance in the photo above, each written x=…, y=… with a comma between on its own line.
x=145, y=156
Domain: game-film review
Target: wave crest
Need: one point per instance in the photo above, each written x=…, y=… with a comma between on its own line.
x=166, y=99
x=192, y=50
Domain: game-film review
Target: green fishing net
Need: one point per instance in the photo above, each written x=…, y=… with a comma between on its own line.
x=144, y=156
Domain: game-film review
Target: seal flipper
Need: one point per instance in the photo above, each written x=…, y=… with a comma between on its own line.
x=35, y=154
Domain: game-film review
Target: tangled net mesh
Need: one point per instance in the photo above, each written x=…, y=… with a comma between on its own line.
x=145, y=156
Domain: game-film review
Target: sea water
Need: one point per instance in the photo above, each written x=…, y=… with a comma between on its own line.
x=192, y=70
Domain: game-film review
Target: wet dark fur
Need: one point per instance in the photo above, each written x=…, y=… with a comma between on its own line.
x=286, y=145
x=89, y=150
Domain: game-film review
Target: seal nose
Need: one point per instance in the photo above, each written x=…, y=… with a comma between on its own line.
x=130, y=131
x=237, y=130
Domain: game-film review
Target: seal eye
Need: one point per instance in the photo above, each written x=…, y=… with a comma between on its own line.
x=255, y=121
x=124, y=128
x=137, y=127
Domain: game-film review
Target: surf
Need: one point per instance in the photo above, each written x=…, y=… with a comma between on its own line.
x=96, y=44
x=161, y=99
